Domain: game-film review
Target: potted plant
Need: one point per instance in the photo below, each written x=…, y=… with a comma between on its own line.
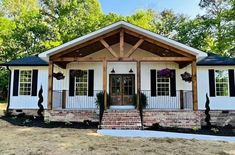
x=187, y=77
x=100, y=99
x=166, y=72
x=143, y=100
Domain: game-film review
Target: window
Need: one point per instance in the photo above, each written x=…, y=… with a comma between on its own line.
x=163, y=85
x=25, y=82
x=81, y=83
x=221, y=82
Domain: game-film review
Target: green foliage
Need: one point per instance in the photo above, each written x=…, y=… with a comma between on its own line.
x=100, y=99
x=143, y=100
x=29, y=27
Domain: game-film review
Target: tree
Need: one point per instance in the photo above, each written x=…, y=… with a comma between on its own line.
x=72, y=18
x=220, y=18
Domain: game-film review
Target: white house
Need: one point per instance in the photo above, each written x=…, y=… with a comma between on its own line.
x=123, y=60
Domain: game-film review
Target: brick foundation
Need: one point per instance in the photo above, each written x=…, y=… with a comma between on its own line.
x=71, y=115
x=179, y=119
x=28, y=112
x=220, y=118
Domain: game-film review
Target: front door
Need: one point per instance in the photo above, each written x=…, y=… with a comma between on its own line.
x=122, y=89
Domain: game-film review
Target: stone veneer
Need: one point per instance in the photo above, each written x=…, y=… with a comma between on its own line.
x=71, y=115
x=179, y=119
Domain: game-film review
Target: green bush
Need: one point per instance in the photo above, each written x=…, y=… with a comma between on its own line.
x=100, y=99
x=143, y=100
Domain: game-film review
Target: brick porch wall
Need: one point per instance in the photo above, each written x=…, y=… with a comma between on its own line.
x=71, y=115
x=220, y=117
x=180, y=119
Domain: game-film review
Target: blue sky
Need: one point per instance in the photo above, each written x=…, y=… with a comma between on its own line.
x=128, y=7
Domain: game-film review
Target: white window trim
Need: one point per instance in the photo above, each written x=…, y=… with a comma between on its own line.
x=75, y=83
x=162, y=83
x=227, y=83
x=20, y=82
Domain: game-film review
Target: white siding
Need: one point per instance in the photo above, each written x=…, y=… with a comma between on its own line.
x=30, y=102
x=161, y=101
x=77, y=102
x=218, y=102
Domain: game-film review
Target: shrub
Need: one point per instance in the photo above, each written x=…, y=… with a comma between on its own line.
x=143, y=100
x=100, y=99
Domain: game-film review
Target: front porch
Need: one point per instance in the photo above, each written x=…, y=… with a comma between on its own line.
x=182, y=101
x=121, y=65
x=120, y=52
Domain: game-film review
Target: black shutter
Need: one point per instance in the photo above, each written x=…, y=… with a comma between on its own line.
x=71, y=83
x=16, y=83
x=212, y=82
x=34, y=82
x=153, y=82
x=231, y=82
x=173, y=83
x=90, y=82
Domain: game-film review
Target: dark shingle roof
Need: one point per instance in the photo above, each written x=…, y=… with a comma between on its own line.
x=216, y=60
x=26, y=61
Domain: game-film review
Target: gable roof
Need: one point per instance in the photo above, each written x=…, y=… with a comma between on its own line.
x=216, y=60
x=27, y=61
x=128, y=26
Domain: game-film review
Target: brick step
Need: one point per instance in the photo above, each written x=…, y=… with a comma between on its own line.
x=120, y=123
x=121, y=119
x=123, y=114
x=134, y=127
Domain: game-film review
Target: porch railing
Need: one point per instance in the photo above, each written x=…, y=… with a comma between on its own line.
x=62, y=100
x=182, y=100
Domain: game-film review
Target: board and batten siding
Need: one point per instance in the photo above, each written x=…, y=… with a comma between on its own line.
x=161, y=101
x=217, y=102
x=78, y=102
x=28, y=101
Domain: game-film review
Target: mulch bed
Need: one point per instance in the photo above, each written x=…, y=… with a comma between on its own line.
x=32, y=121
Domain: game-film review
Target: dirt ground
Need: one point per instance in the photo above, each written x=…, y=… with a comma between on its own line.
x=31, y=140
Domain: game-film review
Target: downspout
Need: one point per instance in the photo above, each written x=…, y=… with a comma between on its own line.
x=9, y=90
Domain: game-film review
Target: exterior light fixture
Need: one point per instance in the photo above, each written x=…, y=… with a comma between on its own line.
x=113, y=71
x=131, y=71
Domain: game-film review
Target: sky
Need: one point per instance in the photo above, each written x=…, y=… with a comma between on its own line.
x=128, y=7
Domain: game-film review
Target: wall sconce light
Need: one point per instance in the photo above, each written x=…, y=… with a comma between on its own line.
x=131, y=71
x=113, y=71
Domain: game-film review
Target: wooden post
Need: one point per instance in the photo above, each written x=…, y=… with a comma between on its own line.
x=105, y=83
x=181, y=99
x=50, y=84
x=194, y=85
x=121, y=43
x=138, y=83
x=63, y=99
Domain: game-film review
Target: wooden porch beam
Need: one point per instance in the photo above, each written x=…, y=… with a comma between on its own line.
x=138, y=83
x=167, y=59
x=50, y=84
x=105, y=84
x=133, y=49
x=162, y=45
x=194, y=85
x=122, y=43
x=144, y=59
x=106, y=45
